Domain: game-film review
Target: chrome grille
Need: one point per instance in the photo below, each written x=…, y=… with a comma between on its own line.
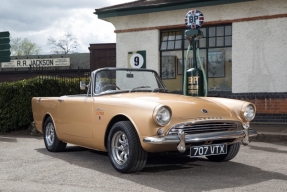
x=192, y=128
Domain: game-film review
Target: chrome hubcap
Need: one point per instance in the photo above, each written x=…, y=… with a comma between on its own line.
x=50, y=134
x=120, y=147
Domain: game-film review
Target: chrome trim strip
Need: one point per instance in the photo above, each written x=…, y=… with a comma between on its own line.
x=169, y=139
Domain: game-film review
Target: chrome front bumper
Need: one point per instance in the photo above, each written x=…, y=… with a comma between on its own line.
x=182, y=138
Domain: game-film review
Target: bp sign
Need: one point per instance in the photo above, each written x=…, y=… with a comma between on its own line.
x=194, y=19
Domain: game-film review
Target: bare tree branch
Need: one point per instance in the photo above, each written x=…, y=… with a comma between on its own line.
x=63, y=45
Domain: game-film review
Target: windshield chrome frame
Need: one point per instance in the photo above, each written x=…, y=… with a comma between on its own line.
x=94, y=73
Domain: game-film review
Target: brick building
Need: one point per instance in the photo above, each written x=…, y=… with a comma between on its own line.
x=242, y=51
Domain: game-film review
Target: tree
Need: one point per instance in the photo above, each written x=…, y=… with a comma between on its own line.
x=63, y=45
x=23, y=47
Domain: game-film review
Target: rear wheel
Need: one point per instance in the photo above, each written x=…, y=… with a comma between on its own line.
x=124, y=148
x=51, y=140
x=232, y=151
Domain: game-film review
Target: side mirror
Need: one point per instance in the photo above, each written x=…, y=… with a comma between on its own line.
x=83, y=85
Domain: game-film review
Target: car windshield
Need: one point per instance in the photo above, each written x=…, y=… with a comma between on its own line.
x=113, y=80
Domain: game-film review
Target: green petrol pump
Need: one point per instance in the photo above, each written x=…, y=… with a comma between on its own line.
x=194, y=78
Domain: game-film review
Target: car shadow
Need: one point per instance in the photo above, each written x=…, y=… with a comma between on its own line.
x=172, y=172
x=169, y=162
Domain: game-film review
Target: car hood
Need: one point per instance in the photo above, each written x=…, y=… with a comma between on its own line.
x=185, y=107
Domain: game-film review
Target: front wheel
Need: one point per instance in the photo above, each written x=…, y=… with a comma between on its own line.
x=232, y=151
x=52, y=143
x=124, y=148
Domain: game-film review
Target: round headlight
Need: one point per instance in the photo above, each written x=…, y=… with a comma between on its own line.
x=249, y=113
x=163, y=116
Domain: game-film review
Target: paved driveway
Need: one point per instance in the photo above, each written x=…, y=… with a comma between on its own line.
x=25, y=165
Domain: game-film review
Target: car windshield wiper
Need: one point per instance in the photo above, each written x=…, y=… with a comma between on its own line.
x=140, y=87
x=159, y=89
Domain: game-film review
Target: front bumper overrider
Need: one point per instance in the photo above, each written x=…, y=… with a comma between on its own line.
x=182, y=139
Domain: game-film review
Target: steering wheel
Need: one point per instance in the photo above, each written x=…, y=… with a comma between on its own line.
x=109, y=85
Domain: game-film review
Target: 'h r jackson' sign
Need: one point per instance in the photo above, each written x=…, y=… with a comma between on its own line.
x=44, y=62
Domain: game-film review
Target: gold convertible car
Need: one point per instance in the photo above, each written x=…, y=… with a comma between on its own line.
x=130, y=114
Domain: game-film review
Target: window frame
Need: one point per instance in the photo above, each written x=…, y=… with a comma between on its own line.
x=227, y=33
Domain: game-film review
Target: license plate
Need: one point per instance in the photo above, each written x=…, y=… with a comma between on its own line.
x=205, y=150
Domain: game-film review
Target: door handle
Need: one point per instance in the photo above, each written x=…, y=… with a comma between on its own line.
x=61, y=100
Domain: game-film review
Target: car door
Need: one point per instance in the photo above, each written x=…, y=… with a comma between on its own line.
x=75, y=116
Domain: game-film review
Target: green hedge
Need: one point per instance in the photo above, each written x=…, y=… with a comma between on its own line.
x=15, y=99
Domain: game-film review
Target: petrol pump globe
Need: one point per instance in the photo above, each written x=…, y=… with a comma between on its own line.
x=194, y=19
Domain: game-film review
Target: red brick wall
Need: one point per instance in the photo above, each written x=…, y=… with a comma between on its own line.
x=270, y=105
x=102, y=55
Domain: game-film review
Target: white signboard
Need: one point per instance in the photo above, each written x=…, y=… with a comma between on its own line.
x=43, y=62
x=136, y=61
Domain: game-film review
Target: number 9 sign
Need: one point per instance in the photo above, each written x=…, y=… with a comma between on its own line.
x=194, y=19
x=136, y=61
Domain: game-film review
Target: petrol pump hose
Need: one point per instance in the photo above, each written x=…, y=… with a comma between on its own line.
x=185, y=69
x=204, y=74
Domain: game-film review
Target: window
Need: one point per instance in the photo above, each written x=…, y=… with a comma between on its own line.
x=215, y=56
x=171, y=40
x=219, y=36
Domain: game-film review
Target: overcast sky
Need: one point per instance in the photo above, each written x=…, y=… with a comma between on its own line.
x=38, y=20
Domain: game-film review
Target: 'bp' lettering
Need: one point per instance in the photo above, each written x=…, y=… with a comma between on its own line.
x=192, y=19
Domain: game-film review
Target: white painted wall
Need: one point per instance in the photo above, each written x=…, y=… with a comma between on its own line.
x=259, y=50
x=138, y=41
x=259, y=56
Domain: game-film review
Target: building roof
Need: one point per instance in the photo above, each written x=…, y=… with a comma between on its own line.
x=149, y=6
